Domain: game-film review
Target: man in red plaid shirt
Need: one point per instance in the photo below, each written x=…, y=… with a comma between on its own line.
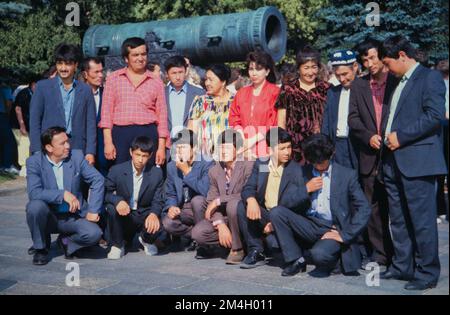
x=133, y=105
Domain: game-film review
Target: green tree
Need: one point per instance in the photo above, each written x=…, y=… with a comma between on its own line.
x=424, y=22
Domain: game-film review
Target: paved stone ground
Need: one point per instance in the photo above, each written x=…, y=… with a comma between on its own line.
x=174, y=273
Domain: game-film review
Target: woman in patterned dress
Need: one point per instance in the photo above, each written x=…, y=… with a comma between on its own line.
x=301, y=101
x=208, y=116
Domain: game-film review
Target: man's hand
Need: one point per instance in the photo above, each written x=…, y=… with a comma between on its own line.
x=314, y=184
x=90, y=158
x=224, y=235
x=110, y=151
x=392, y=141
x=123, y=208
x=160, y=156
x=152, y=223
x=183, y=167
x=92, y=217
x=332, y=235
x=73, y=202
x=268, y=228
x=253, y=209
x=375, y=142
x=210, y=209
x=173, y=212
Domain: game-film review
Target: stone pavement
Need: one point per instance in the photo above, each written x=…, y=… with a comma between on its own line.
x=174, y=273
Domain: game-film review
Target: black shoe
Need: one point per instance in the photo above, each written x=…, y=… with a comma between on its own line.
x=40, y=257
x=419, y=285
x=204, y=253
x=388, y=275
x=295, y=267
x=253, y=259
x=193, y=245
x=64, y=248
x=31, y=251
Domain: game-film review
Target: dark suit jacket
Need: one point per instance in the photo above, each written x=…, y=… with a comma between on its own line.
x=292, y=193
x=197, y=180
x=191, y=93
x=362, y=119
x=217, y=178
x=119, y=187
x=350, y=211
x=417, y=121
x=46, y=110
x=41, y=181
x=330, y=119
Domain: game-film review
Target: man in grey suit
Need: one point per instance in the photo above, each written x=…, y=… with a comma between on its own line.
x=56, y=205
x=179, y=94
x=227, y=179
x=65, y=102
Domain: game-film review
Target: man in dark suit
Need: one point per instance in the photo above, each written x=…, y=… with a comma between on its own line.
x=337, y=215
x=179, y=93
x=56, y=205
x=134, y=200
x=335, y=116
x=274, y=183
x=412, y=160
x=92, y=71
x=369, y=100
x=186, y=187
x=65, y=102
x=227, y=177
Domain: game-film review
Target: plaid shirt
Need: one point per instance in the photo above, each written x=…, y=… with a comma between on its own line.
x=124, y=104
x=377, y=97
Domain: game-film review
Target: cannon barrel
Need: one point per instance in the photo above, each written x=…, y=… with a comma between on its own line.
x=204, y=39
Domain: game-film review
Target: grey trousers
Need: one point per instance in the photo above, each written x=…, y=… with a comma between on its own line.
x=42, y=222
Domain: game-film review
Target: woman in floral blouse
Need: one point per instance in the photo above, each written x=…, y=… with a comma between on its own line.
x=301, y=101
x=209, y=113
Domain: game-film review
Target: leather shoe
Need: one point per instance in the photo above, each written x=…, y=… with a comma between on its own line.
x=253, y=259
x=40, y=257
x=204, y=253
x=295, y=267
x=31, y=251
x=419, y=285
x=192, y=246
x=387, y=275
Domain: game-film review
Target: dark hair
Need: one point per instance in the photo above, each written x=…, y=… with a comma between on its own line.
x=231, y=136
x=222, y=71
x=393, y=45
x=263, y=59
x=143, y=143
x=67, y=52
x=185, y=136
x=47, y=136
x=364, y=47
x=152, y=65
x=317, y=148
x=276, y=136
x=86, y=62
x=47, y=73
x=132, y=42
x=308, y=54
x=175, y=62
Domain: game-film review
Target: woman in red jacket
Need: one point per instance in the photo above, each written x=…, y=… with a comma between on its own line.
x=253, y=110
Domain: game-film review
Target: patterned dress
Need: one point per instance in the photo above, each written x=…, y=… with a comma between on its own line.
x=304, y=111
x=210, y=120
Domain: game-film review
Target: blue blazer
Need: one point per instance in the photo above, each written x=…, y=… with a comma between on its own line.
x=119, y=187
x=191, y=93
x=417, y=121
x=197, y=180
x=46, y=110
x=350, y=211
x=41, y=181
x=330, y=120
x=292, y=193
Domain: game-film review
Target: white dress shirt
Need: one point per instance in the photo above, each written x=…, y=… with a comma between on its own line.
x=342, y=125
